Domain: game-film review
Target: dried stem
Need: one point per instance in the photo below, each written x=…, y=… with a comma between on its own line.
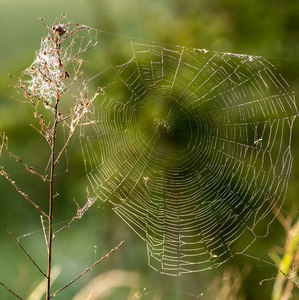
x=2, y=138
x=291, y=283
x=3, y=172
x=17, y=158
x=50, y=226
x=43, y=90
x=80, y=211
x=27, y=254
x=44, y=231
x=88, y=269
x=267, y=279
x=12, y=292
x=284, y=266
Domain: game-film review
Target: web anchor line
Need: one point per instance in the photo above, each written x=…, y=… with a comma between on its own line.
x=170, y=45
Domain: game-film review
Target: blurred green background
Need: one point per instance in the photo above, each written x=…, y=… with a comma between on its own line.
x=267, y=28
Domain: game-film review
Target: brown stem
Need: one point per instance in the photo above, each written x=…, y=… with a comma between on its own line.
x=27, y=254
x=80, y=211
x=2, y=172
x=1, y=283
x=88, y=269
x=65, y=145
x=18, y=159
x=44, y=231
x=50, y=226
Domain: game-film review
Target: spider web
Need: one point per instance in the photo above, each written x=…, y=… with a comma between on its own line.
x=192, y=148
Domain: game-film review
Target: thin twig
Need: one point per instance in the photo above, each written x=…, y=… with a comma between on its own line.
x=290, y=284
x=80, y=113
x=17, y=158
x=65, y=145
x=80, y=211
x=31, y=96
x=16, y=99
x=44, y=231
x=27, y=254
x=2, y=172
x=267, y=279
x=2, y=139
x=40, y=132
x=65, y=226
x=88, y=269
x=76, y=78
x=47, y=27
x=51, y=198
x=1, y=283
x=287, y=277
x=71, y=221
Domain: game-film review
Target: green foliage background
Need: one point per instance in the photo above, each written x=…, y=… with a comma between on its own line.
x=268, y=28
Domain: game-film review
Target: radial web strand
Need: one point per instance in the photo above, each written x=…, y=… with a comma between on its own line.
x=192, y=149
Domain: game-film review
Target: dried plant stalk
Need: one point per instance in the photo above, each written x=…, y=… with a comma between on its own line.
x=55, y=72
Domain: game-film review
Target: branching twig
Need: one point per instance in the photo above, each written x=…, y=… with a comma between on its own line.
x=43, y=90
x=17, y=158
x=290, y=284
x=47, y=27
x=12, y=292
x=78, y=113
x=27, y=254
x=290, y=278
x=80, y=211
x=88, y=269
x=3, y=172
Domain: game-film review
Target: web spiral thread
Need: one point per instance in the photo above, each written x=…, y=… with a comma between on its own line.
x=192, y=148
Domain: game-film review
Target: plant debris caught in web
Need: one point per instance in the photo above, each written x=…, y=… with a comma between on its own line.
x=57, y=58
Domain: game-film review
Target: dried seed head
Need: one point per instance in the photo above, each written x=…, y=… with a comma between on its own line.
x=58, y=29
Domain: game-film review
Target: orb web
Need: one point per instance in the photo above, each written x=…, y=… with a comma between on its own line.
x=192, y=149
